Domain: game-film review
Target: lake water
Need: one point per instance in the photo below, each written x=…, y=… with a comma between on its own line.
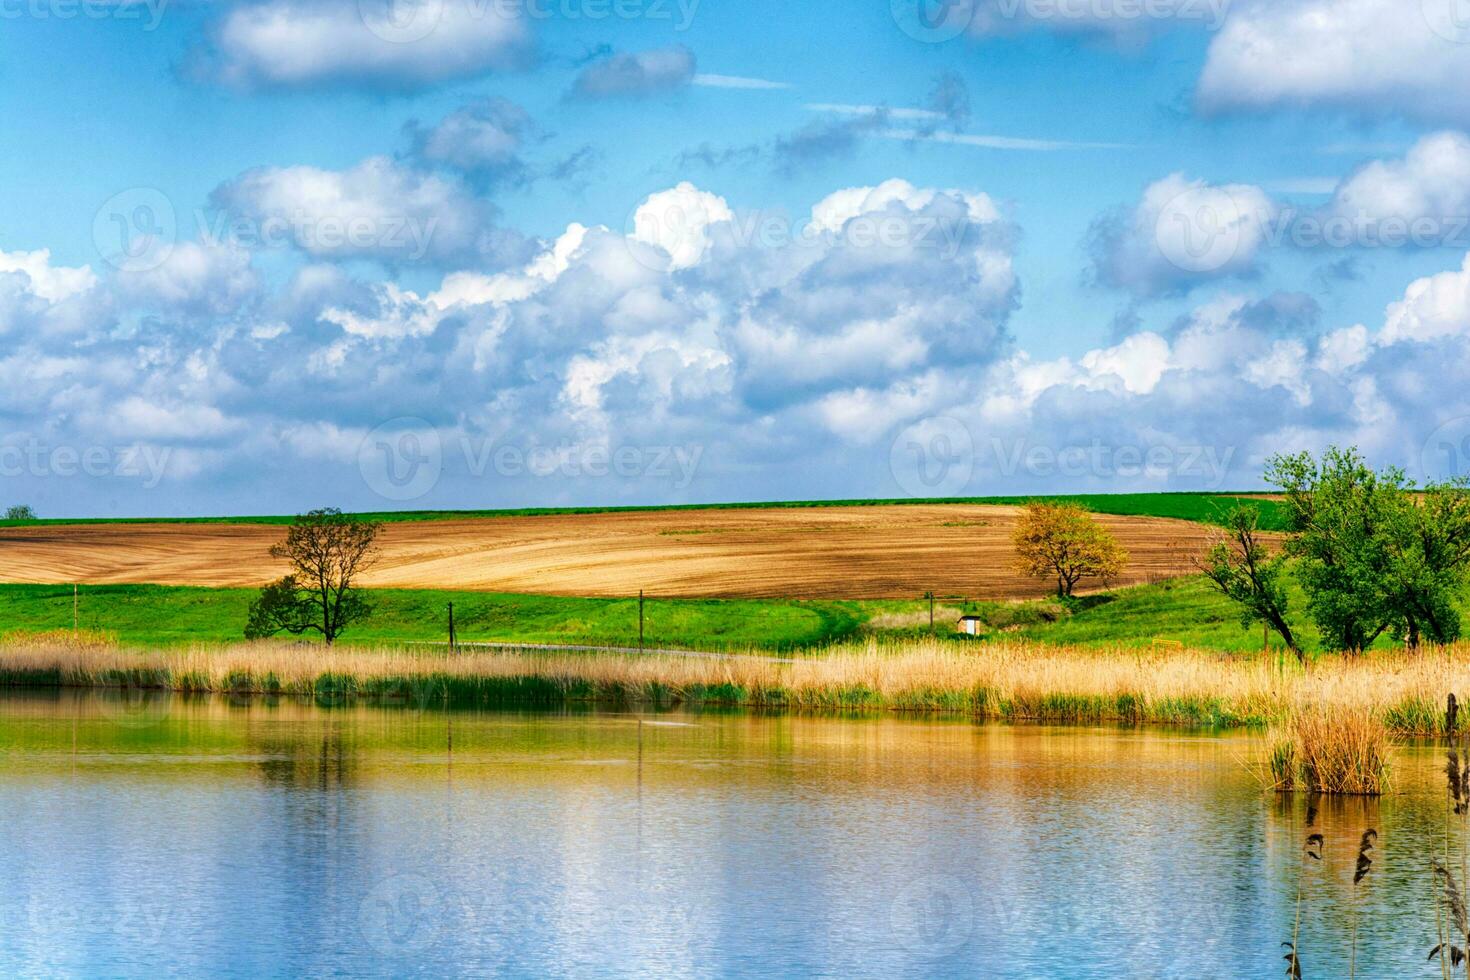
x=206, y=837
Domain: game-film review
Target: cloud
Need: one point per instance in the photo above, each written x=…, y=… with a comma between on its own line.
x=990, y=141
x=1138, y=362
x=1361, y=56
x=1184, y=232
x=377, y=44
x=949, y=99
x=1432, y=308
x=1227, y=385
x=882, y=282
x=848, y=109
x=841, y=134
x=393, y=312
x=195, y=278
x=948, y=105
x=1431, y=183
x=136, y=417
x=483, y=138
x=635, y=75
x=48, y=304
x=699, y=334
x=1180, y=234
x=676, y=222
x=833, y=212
x=714, y=157
x=52, y=283
x=790, y=356
x=823, y=141
x=707, y=80
x=376, y=209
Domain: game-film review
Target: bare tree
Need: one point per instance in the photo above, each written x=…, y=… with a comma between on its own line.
x=327, y=550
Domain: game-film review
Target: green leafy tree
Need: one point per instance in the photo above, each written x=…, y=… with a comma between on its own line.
x=1337, y=511
x=1375, y=553
x=1240, y=566
x=1428, y=546
x=20, y=512
x=327, y=551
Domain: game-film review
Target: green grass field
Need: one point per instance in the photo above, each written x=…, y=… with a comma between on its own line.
x=1177, y=612
x=1202, y=507
x=155, y=614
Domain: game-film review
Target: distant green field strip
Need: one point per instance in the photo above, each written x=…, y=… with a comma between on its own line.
x=1205, y=508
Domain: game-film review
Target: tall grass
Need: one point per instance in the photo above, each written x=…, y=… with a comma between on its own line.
x=1341, y=750
x=1006, y=681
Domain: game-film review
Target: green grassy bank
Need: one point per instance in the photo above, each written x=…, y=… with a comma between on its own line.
x=1180, y=612
x=167, y=615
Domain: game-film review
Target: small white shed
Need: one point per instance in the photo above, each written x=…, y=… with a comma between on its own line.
x=970, y=625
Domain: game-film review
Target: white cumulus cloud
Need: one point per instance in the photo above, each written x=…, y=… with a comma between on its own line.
x=382, y=44
x=1406, y=56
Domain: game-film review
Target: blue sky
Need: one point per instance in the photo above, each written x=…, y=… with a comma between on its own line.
x=584, y=236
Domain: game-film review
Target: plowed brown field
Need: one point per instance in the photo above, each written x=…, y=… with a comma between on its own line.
x=817, y=553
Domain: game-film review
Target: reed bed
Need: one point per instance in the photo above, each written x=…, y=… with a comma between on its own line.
x=1007, y=681
x=1342, y=750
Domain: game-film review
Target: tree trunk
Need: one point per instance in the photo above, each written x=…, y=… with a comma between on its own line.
x=1283, y=629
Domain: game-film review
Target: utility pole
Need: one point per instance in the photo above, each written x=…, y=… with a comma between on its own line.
x=930, y=597
x=74, y=609
x=452, y=641
x=640, y=638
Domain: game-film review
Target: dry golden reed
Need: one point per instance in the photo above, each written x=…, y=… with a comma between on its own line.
x=1403, y=692
x=1341, y=750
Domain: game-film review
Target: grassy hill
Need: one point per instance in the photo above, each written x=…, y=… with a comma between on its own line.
x=168, y=615
x=1178, y=612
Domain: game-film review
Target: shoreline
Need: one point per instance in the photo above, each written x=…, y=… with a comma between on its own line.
x=1006, y=682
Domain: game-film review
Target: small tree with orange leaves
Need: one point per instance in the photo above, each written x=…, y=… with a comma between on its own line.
x=1065, y=542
